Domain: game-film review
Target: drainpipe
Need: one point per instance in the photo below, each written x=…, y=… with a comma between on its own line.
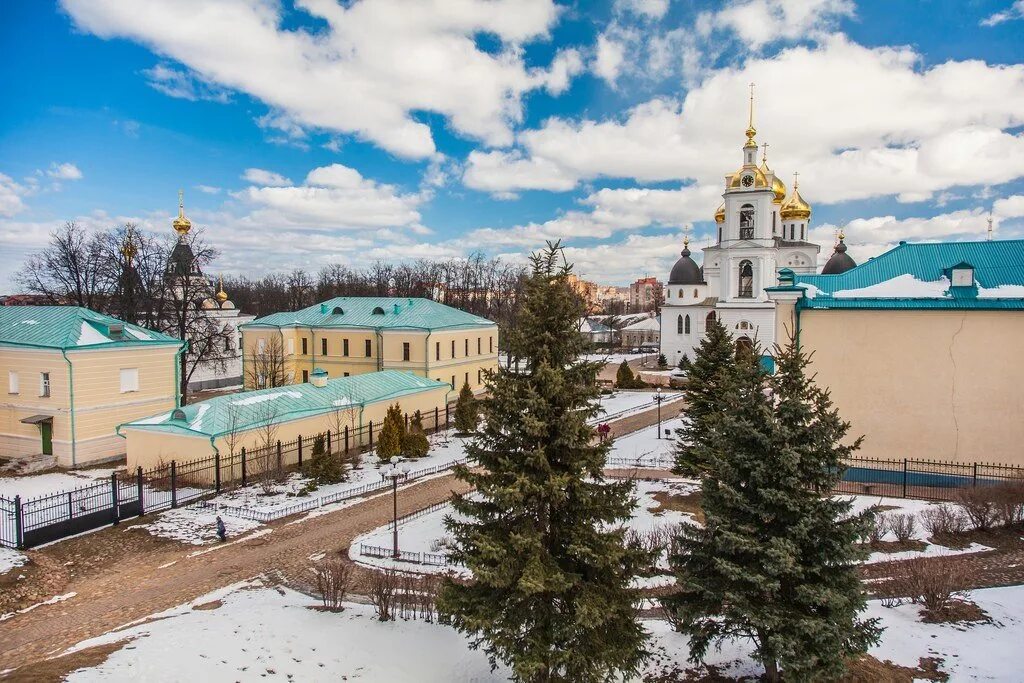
x=71, y=406
x=426, y=355
x=177, y=374
x=380, y=348
x=312, y=342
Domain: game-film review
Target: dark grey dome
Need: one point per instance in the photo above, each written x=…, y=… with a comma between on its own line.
x=685, y=271
x=839, y=262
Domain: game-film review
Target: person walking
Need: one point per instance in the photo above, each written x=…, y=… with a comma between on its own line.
x=222, y=532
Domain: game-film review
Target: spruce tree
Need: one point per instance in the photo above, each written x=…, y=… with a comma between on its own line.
x=776, y=559
x=389, y=441
x=705, y=390
x=662, y=361
x=467, y=413
x=624, y=377
x=684, y=363
x=550, y=595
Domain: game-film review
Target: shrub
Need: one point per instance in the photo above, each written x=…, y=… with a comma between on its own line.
x=333, y=578
x=1009, y=502
x=902, y=526
x=877, y=527
x=943, y=520
x=931, y=583
x=415, y=445
x=381, y=591
x=389, y=442
x=322, y=468
x=662, y=361
x=979, y=504
x=466, y=411
x=625, y=379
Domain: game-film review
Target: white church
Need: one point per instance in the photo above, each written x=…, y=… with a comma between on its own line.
x=762, y=228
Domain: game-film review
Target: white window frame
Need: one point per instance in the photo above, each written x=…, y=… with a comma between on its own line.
x=261, y=346
x=44, y=384
x=129, y=378
x=291, y=346
x=13, y=385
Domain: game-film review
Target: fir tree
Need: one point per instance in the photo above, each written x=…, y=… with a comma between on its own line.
x=776, y=559
x=543, y=536
x=624, y=377
x=684, y=363
x=389, y=441
x=467, y=413
x=662, y=361
x=322, y=467
x=705, y=392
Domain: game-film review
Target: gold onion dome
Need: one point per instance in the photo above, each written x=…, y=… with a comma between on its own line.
x=778, y=187
x=760, y=180
x=181, y=224
x=720, y=214
x=222, y=296
x=795, y=207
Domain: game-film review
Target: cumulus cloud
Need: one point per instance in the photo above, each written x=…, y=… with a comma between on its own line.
x=942, y=126
x=259, y=176
x=1014, y=11
x=65, y=171
x=760, y=22
x=208, y=189
x=374, y=64
x=10, y=196
x=183, y=84
x=608, y=58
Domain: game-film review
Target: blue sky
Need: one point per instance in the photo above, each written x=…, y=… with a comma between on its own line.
x=310, y=132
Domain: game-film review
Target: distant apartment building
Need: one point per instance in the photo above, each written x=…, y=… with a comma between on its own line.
x=645, y=294
x=353, y=335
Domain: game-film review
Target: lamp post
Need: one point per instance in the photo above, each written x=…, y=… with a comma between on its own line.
x=394, y=473
x=658, y=398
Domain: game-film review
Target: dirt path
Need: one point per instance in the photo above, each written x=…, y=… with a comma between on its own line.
x=121, y=574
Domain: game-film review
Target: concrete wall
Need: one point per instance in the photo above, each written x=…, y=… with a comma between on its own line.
x=943, y=385
x=150, y=448
x=99, y=404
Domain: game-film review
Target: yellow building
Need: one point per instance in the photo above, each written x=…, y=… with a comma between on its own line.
x=920, y=347
x=224, y=425
x=72, y=376
x=354, y=335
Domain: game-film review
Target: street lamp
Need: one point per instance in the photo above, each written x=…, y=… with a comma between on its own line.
x=394, y=473
x=658, y=398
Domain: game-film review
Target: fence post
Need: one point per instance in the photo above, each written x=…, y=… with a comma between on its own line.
x=139, y=490
x=19, y=526
x=216, y=471
x=243, y=466
x=174, y=485
x=278, y=454
x=904, y=477
x=330, y=449
x=437, y=422
x=447, y=410
x=346, y=439
x=407, y=422
x=371, y=434
x=300, y=450
x=115, y=510
x=71, y=507
x=975, y=485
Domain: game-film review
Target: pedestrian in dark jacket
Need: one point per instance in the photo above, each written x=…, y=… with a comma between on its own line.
x=222, y=532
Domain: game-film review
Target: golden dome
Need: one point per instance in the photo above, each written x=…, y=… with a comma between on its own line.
x=795, y=206
x=720, y=214
x=778, y=187
x=222, y=296
x=736, y=180
x=181, y=224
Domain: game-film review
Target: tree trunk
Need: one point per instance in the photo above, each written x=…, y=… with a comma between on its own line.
x=771, y=671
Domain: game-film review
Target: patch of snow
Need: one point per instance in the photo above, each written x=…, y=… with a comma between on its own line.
x=251, y=400
x=643, y=448
x=197, y=421
x=1001, y=292
x=10, y=559
x=194, y=525
x=622, y=403
x=156, y=419
x=35, y=485
x=52, y=601
x=930, y=550
x=138, y=333
x=255, y=534
x=810, y=291
x=90, y=335
x=29, y=322
x=904, y=286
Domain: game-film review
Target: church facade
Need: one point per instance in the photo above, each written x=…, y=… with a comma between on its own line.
x=761, y=228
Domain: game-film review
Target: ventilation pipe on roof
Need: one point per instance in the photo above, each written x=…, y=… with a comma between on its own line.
x=318, y=378
x=323, y=309
x=396, y=308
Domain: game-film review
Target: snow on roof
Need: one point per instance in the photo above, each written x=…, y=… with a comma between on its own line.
x=71, y=327
x=645, y=324
x=900, y=287
x=1001, y=292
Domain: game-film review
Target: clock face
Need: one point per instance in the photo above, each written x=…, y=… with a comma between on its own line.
x=747, y=180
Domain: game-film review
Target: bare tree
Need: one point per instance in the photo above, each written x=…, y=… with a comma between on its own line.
x=69, y=270
x=266, y=365
x=269, y=467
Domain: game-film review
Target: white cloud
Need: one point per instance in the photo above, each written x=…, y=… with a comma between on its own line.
x=375, y=63
x=65, y=171
x=259, y=176
x=10, y=196
x=759, y=22
x=608, y=58
x=1014, y=11
x=653, y=9
x=208, y=189
x=1009, y=207
x=940, y=127
x=183, y=84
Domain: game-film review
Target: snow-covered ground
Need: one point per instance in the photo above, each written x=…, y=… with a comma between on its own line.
x=622, y=403
x=10, y=559
x=259, y=633
x=643, y=448
x=617, y=358
x=34, y=485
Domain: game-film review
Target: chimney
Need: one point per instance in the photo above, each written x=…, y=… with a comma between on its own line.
x=318, y=378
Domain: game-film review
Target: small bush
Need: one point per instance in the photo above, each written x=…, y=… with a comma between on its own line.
x=877, y=527
x=322, y=468
x=932, y=583
x=467, y=414
x=902, y=526
x=1009, y=502
x=662, y=362
x=333, y=578
x=943, y=521
x=381, y=590
x=415, y=445
x=979, y=504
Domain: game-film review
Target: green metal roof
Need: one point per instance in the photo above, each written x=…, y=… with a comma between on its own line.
x=358, y=312
x=250, y=409
x=997, y=263
x=71, y=327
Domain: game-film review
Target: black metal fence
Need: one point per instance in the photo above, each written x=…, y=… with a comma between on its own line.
x=26, y=523
x=924, y=479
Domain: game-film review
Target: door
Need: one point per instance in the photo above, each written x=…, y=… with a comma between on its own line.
x=46, y=429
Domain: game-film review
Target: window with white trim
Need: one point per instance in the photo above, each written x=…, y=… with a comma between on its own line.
x=44, y=384
x=12, y=382
x=129, y=380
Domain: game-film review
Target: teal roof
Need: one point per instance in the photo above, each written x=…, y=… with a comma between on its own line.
x=358, y=312
x=250, y=409
x=921, y=275
x=71, y=327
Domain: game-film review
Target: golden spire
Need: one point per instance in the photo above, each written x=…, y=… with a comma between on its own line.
x=181, y=224
x=841, y=235
x=764, y=154
x=222, y=296
x=128, y=248
x=990, y=226
x=751, y=131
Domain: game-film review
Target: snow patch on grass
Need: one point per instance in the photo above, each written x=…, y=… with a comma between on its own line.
x=11, y=559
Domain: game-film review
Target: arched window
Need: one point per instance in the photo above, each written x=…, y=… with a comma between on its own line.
x=680, y=294
x=378, y=311
x=695, y=293
x=679, y=324
x=686, y=325
x=746, y=289
x=337, y=311
x=710, y=319
x=747, y=222
x=744, y=347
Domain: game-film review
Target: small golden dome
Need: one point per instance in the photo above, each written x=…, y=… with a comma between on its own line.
x=181, y=224
x=720, y=214
x=778, y=187
x=795, y=207
x=222, y=296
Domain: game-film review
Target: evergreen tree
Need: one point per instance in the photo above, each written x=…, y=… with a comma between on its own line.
x=467, y=413
x=662, y=361
x=389, y=441
x=776, y=559
x=543, y=536
x=624, y=377
x=684, y=363
x=322, y=467
x=705, y=391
